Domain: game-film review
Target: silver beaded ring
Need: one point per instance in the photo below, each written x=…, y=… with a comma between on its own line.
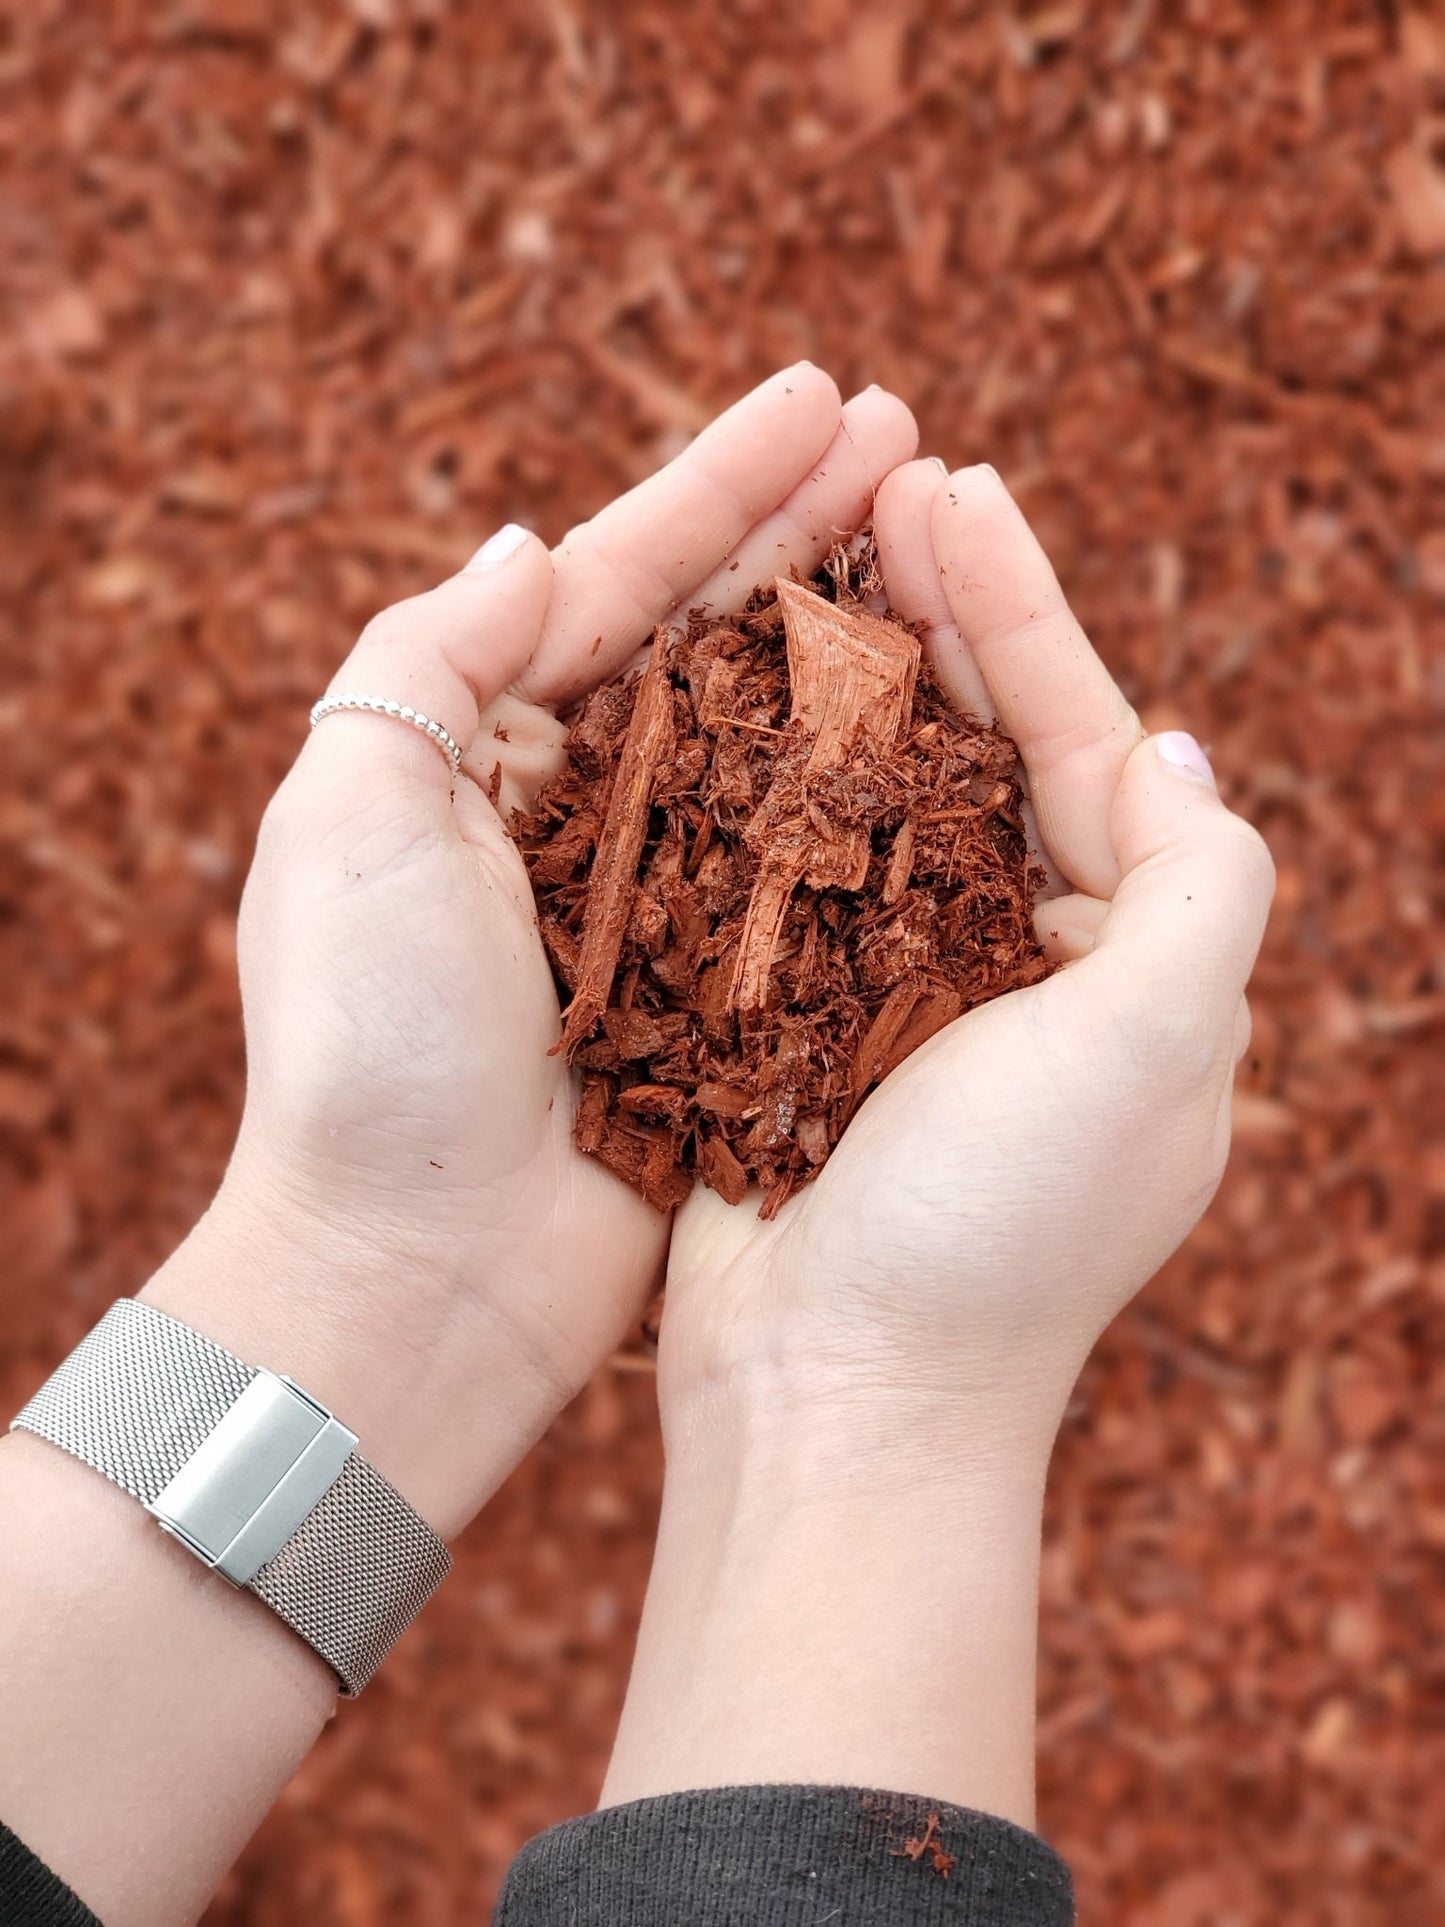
x=403, y=712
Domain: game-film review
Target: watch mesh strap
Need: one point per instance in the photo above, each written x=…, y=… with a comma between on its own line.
x=137, y=1397
x=355, y=1573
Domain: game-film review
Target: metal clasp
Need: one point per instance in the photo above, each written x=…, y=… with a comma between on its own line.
x=254, y=1478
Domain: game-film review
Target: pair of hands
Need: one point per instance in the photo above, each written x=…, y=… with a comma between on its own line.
x=858, y=1398
x=407, y=1225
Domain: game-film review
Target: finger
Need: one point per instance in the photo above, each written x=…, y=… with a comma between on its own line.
x=620, y=574
x=1053, y=695
x=875, y=433
x=1185, y=923
x=708, y=1233
x=517, y=748
x=444, y=654
x=1067, y=927
x=1243, y=1031
x=903, y=527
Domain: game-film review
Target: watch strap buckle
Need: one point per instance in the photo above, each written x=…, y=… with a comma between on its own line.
x=254, y=1478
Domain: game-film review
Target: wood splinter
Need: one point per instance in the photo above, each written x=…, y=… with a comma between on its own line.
x=852, y=677
x=648, y=744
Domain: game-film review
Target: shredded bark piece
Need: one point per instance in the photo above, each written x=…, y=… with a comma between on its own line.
x=852, y=677
x=775, y=863
x=624, y=830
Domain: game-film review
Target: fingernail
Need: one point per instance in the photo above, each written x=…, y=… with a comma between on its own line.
x=1178, y=749
x=495, y=550
x=939, y=463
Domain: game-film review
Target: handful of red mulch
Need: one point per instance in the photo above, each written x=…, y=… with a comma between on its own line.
x=776, y=862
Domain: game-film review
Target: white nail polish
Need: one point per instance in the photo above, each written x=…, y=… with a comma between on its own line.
x=1179, y=751
x=495, y=550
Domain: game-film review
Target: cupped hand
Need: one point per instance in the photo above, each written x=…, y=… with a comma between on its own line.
x=406, y=1226
x=1003, y=1194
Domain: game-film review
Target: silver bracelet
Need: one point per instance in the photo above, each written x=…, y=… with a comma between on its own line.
x=256, y=1478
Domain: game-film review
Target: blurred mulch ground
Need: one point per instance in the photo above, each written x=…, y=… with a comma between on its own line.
x=302, y=301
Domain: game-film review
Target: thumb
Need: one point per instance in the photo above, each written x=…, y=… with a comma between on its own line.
x=442, y=657
x=708, y=1233
x=1180, y=937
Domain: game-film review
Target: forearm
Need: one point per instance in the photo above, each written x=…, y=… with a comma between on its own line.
x=824, y=1608
x=152, y=1713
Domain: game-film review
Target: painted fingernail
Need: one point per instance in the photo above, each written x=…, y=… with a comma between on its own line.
x=1179, y=751
x=497, y=548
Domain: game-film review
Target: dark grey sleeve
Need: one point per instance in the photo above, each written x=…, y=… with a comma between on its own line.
x=30, y=1894
x=786, y=1856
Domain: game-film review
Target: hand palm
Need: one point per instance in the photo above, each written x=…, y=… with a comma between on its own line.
x=972, y=1203
x=974, y=1215
x=400, y=1009
x=415, y=1068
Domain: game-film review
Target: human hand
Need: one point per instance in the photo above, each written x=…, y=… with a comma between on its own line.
x=1014, y=1183
x=407, y=1227
x=860, y=1398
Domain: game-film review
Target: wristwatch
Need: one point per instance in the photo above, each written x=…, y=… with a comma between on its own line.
x=250, y=1473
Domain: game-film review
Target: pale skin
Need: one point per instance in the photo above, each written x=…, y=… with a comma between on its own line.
x=858, y=1400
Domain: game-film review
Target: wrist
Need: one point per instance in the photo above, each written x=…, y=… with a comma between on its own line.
x=759, y=1455
x=440, y=1393
x=844, y=1405
x=836, y=1601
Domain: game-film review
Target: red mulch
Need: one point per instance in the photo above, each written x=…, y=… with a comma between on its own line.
x=773, y=866
x=301, y=302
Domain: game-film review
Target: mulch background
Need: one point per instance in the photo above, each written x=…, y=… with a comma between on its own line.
x=300, y=302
